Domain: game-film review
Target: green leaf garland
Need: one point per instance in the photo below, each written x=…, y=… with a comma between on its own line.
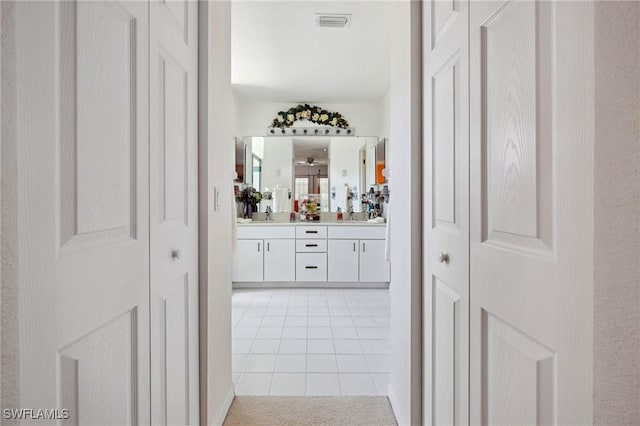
x=315, y=114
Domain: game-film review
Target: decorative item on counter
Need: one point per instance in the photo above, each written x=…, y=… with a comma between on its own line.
x=250, y=197
x=292, y=217
x=385, y=193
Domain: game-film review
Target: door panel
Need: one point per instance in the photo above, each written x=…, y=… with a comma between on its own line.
x=531, y=177
x=279, y=260
x=173, y=200
x=446, y=186
x=82, y=93
x=342, y=260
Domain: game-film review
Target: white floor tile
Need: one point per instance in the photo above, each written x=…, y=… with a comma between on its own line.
x=295, y=321
x=273, y=321
x=293, y=346
x=323, y=384
x=344, y=333
x=286, y=363
x=245, y=332
x=294, y=333
x=357, y=384
x=318, y=321
x=360, y=312
x=375, y=346
x=365, y=322
x=238, y=361
x=241, y=346
x=341, y=321
x=269, y=333
x=317, y=302
x=319, y=333
x=369, y=333
x=320, y=346
x=250, y=321
x=265, y=346
x=275, y=311
x=323, y=363
x=347, y=346
x=254, y=384
x=295, y=311
x=352, y=364
x=339, y=311
x=382, y=383
x=260, y=363
x=293, y=384
x=378, y=363
x=318, y=312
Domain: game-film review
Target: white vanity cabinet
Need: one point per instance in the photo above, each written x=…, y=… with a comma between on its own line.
x=279, y=260
x=265, y=253
x=339, y=254
x=373, y=267
x=356, y=253
x=248, y=260
x=342, y=259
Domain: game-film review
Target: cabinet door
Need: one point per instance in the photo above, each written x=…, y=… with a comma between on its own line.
x=248, y=261
x=373, y=267
x=342, y=260
x=280, y=260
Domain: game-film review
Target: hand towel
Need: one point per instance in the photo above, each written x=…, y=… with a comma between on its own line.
x=387, y=236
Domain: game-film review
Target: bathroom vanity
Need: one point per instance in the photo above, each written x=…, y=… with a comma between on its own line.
x=304, y=254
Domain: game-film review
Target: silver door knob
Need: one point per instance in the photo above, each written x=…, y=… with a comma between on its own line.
x=175, y=254
x=444, y=257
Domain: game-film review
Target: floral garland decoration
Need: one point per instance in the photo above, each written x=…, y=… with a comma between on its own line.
x=315, y=114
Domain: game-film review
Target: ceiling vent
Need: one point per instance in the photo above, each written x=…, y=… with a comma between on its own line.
x=332, y=20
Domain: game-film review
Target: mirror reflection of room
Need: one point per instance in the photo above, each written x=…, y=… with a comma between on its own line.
x=342, y=177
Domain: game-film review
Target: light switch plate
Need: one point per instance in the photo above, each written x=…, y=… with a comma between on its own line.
x=216, y=199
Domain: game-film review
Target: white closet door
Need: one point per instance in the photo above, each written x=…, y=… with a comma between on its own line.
x=446, y=226
x=174, y=211
x=531, y=133
x=82, y=92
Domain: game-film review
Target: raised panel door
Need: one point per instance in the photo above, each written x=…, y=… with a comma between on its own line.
x=248, y=261
x=342, y=260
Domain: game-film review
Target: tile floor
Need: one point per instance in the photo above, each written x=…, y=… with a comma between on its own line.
x=311, y=341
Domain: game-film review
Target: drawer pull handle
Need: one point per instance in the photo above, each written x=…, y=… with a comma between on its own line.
x=311, y=232
x=258, y=246
x=311, y=245
x=311, y=267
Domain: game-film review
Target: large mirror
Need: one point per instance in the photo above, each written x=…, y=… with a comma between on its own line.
x=334, y=172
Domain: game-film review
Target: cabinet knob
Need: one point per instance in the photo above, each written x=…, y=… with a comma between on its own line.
x=444, y=257
x=175, y=254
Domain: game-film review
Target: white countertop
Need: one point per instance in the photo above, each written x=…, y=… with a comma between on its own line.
x=311, y=223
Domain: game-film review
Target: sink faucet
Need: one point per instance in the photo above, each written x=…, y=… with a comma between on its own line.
x=268, y=213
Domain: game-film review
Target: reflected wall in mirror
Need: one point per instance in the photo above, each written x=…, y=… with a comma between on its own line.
x=334, y=171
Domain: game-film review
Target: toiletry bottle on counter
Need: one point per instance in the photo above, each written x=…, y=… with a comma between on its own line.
x=340, y=218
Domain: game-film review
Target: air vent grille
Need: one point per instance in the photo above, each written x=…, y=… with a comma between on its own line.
x=332, y=20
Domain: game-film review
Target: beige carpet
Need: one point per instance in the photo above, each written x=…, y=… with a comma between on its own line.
x=310, y=410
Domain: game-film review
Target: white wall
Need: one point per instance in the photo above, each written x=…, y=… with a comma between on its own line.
x=404, y=163
x=216, y=164
x=343, y=169
x=616, y=342
x=9, y=330
x=256, y=117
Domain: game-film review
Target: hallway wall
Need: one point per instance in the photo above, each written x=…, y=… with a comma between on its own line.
x=617, y=209
x=216, y=170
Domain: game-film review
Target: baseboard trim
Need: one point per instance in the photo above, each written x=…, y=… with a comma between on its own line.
x=394, y=404
x=226, y=405
x=310, y=284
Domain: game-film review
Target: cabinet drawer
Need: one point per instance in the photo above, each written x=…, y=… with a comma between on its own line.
x=371, y=232
x=311, y=267
x=265, y=231
x=311, y=232
x=311, y=246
